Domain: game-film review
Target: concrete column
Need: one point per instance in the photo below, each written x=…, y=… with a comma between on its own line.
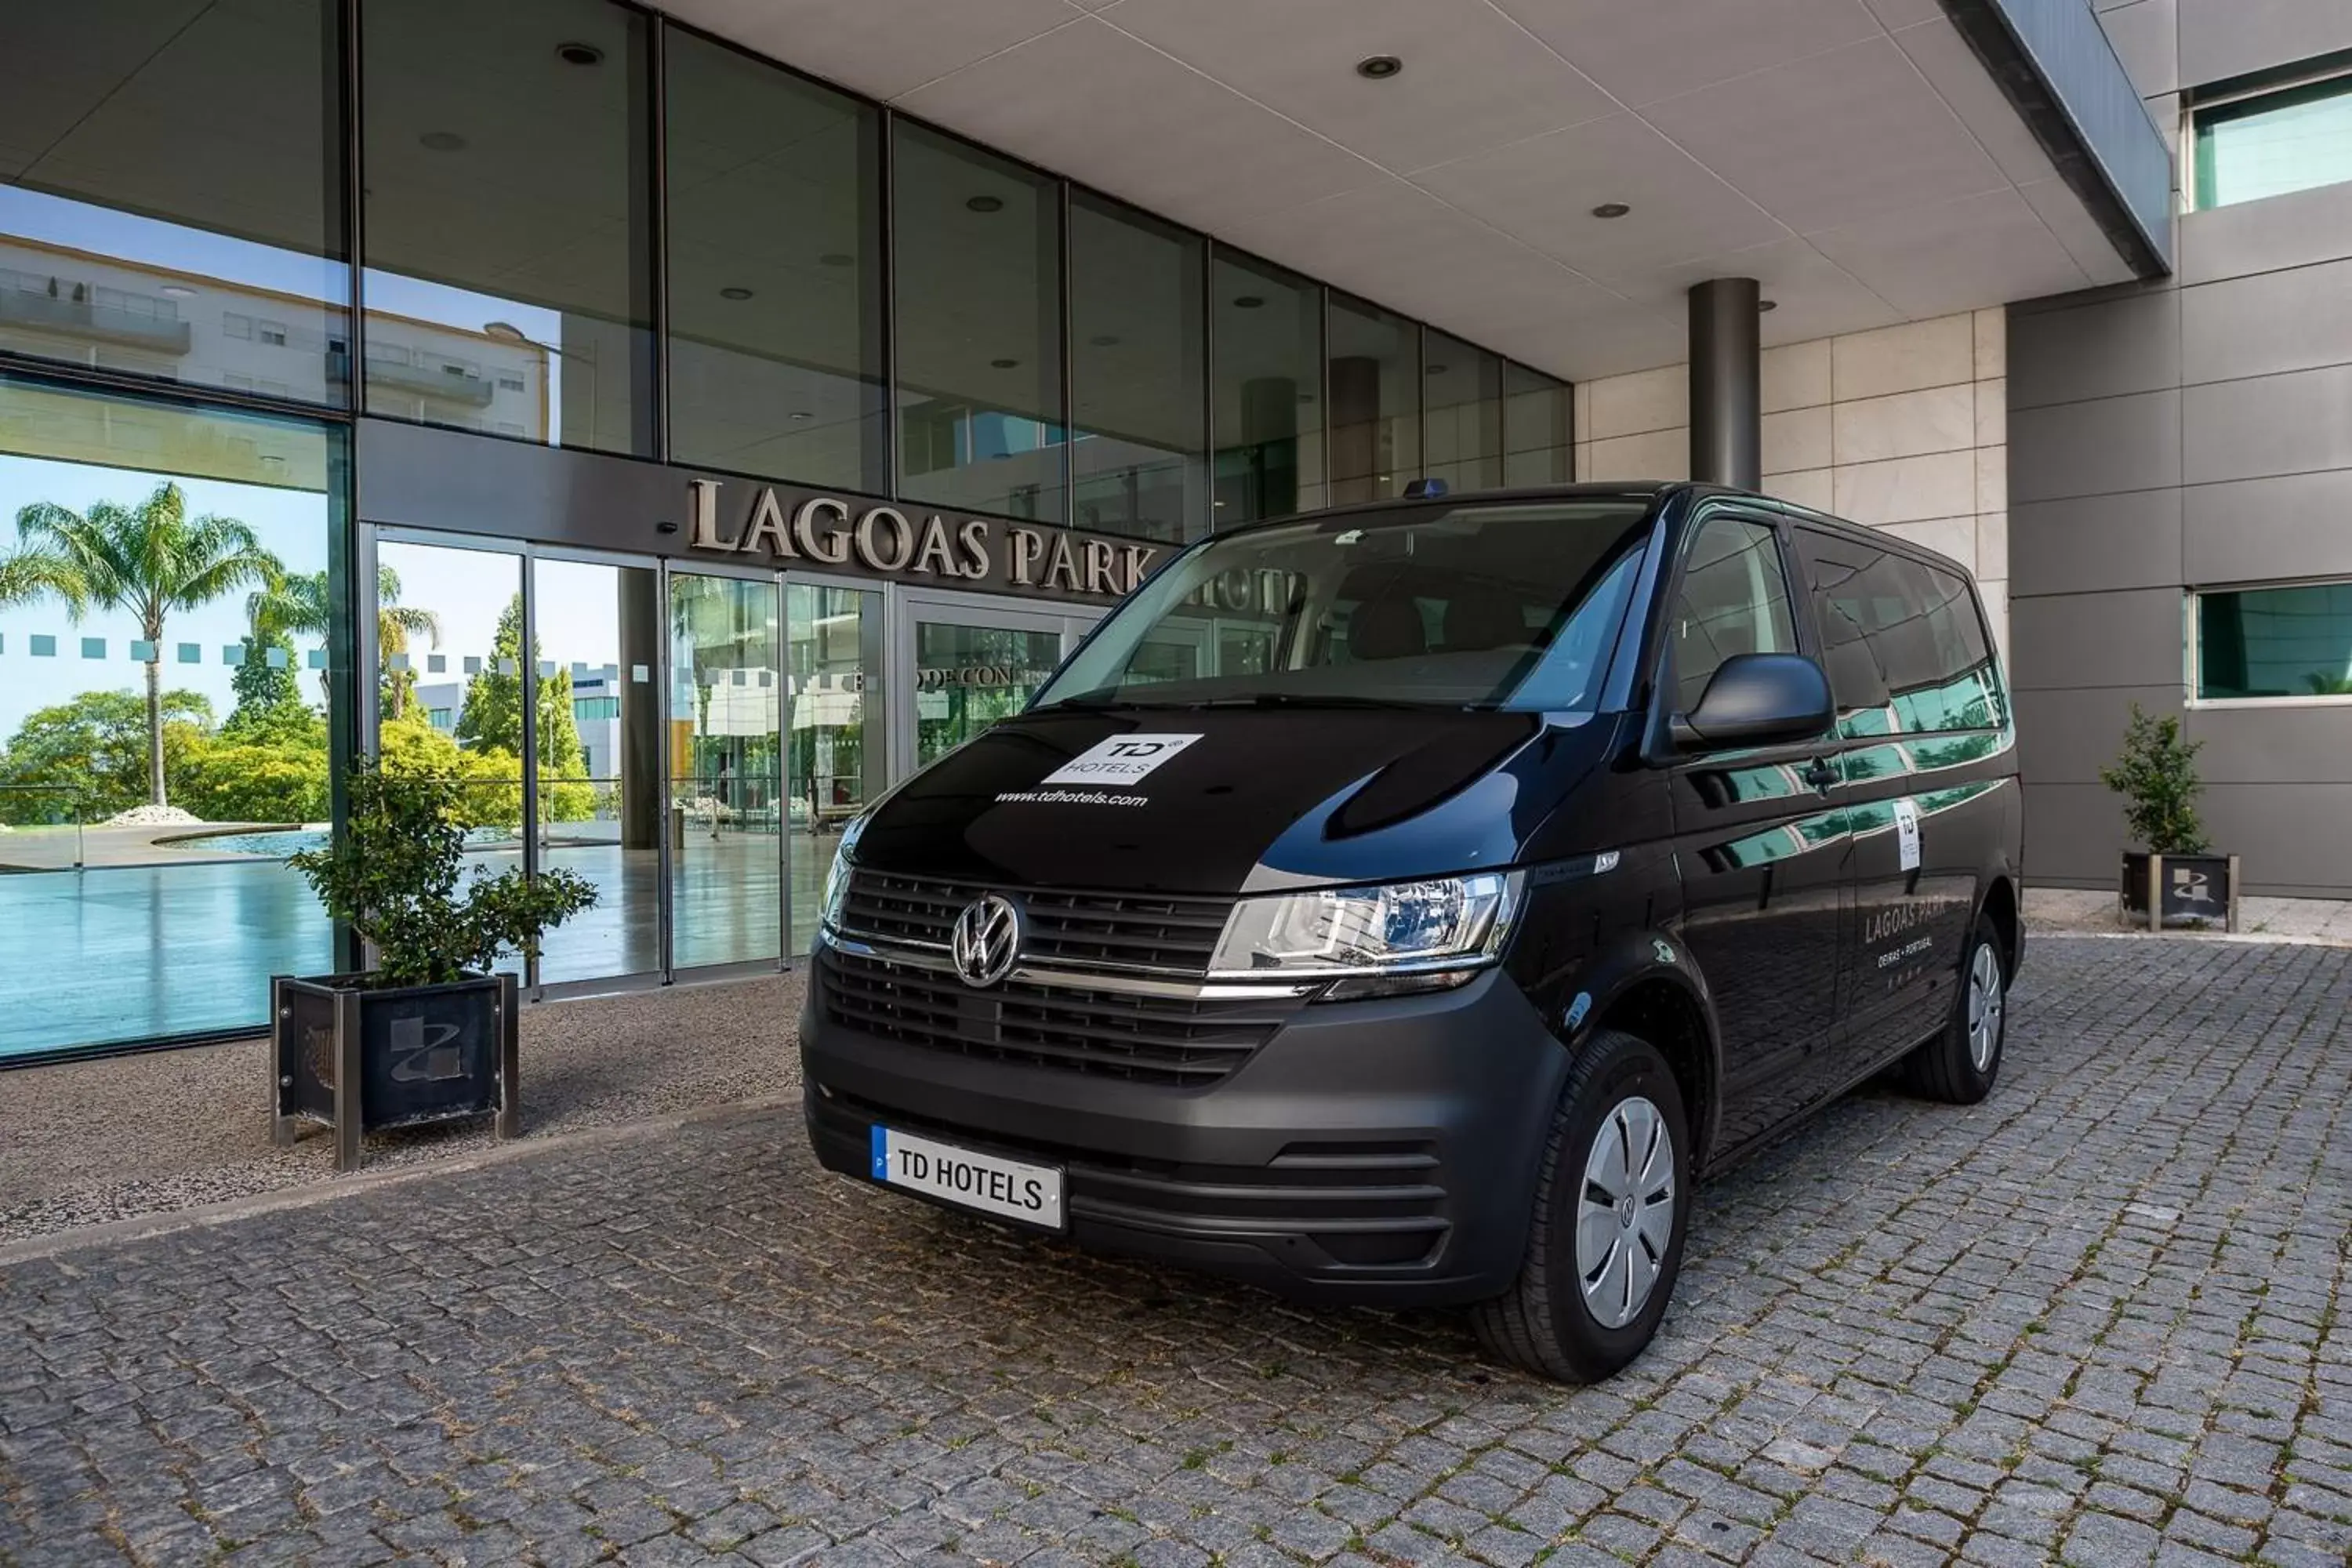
x=1726, y=421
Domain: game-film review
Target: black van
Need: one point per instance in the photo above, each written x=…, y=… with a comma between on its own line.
x=1408, y=904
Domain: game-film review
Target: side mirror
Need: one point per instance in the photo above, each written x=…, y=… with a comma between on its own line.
x=1758, y=699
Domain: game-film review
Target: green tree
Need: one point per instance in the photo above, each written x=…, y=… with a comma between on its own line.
x=2157, y=777
x=261, y=686
x=298, y=606
x=89, y=755
x=150, y=560
x=28, y=575
x=492, y=721
x=231, y=782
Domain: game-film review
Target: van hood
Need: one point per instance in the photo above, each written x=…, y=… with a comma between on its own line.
x=1231, y=800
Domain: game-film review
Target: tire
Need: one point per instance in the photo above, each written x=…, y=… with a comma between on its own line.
x=1547, y=1322
x=1960, y=1066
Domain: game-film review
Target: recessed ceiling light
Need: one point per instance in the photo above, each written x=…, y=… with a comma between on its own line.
x=1379, y=67
x=1437, y=370
x=800, y=413
x=579, y=54
x=442, y=142
x=735, y=292
x=1763, y=305
x=1104, y=339
x=1305, y=398
x=1005, y=364
x=837, y=258
x=986, y=204
x=1247, y=301
x=179, y=290
x=1610, y=209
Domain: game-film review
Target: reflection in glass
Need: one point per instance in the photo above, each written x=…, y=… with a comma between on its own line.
x=171, y=203
x=1375, y=401
x=1267, y=400
x=134, y=905
x=1463, y=413
x=726, y=770
x=599, y=739
x=979, y=350
x=2274, y=144
x=1535, y=426
x=835, y=761
x=508, y=226
x=968, y=677
x=451, y=683
x=775, y=272
x=2275, y=642
x=1137, y=374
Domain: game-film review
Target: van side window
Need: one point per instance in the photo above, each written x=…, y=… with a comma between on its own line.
x=1734, y=599
x=1902, y=643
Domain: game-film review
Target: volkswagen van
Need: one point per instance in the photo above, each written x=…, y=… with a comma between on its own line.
x=1410, y=904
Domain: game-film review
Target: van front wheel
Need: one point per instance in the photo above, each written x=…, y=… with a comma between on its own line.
x=1612, y=1203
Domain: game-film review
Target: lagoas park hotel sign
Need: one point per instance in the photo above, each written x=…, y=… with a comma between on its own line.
x=824, y=531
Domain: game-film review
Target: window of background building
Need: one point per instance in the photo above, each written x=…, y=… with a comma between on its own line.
x=1375, y=379
x=1266, y=348
x=2275, y=642
x=507, y=218
x=1136, y=376
x=2276, y=143
x=1463, y=414
x=978, y=253
x=1535, y=427
x=165, y=169
x=775, y=272
x=234, y=516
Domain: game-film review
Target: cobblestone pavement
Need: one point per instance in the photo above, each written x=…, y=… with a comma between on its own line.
x=2096, y=1318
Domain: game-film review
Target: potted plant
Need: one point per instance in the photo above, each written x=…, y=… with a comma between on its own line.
x=2175, y=881
x=429, y=1033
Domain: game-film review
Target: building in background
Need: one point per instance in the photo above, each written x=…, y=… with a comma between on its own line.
x=755, y=402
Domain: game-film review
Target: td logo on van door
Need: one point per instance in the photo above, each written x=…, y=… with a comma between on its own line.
x=1122, y=760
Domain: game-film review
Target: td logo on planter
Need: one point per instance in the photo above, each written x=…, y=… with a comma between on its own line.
x=1120, y=760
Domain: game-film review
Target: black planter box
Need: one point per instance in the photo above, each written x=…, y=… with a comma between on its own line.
x=2189, y=891
x=364, y=1060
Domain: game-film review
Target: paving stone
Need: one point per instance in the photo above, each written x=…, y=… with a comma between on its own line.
x=1907, y=1334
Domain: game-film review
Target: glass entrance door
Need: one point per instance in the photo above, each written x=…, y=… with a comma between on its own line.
x=970, y=662
x=727, y=809
x=836, y=748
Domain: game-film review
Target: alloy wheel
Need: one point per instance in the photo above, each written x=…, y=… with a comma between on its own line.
x=1985, y=1003
x=1626, y=1215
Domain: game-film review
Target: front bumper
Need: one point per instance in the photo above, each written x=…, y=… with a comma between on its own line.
x=1380, y=1152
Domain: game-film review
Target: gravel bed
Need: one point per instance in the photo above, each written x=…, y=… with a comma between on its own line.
x=85, y=1142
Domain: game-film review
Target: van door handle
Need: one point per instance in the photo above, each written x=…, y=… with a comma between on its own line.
x=1819, y=774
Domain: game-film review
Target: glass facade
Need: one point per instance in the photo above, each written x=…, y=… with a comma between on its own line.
x=2274, y=143
x=978, y=253
x=2269, y=643
x=566, y=224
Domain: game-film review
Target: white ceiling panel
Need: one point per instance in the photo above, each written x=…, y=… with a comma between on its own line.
x=1945, y=259
x=1472, y=79
x=1875, y=140
x=1391, y=241
x=1544, y=191
x=879, y=47
x=1851, y=154
x=1103, y=107
x=1656, y=48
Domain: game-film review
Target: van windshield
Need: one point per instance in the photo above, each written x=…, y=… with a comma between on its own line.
x=1502, y=604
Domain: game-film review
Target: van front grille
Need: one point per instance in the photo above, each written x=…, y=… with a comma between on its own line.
x=1184, y=1041
x=1129, y=930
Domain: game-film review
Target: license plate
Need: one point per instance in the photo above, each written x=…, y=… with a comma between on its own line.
x=989, y=1184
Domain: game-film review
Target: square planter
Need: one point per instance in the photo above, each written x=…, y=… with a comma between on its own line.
x=2160, y=891
x=360, y=1059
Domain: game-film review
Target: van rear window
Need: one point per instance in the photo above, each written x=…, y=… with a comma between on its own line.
x=1903, y=643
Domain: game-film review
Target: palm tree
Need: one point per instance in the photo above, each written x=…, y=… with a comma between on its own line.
x=28, y=573
x=298, y=606
x=150, y=561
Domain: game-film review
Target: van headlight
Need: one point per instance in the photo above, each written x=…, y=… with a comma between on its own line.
x=1398, y=936
x=836, y=881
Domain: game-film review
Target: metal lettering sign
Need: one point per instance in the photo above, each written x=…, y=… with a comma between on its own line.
x=826, y=530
